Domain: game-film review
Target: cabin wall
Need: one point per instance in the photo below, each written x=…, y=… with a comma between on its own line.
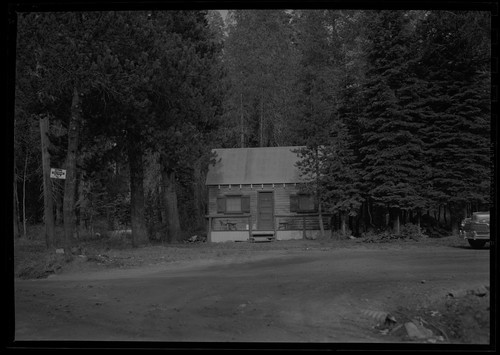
x=281, y=197
x=238, y=227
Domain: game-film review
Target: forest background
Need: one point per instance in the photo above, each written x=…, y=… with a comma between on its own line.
x=392, y=108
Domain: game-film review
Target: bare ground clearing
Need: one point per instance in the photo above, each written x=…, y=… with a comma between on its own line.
x=294, y=291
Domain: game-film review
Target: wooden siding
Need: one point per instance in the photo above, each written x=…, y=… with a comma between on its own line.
x=296, y=222
x=281, y=196
x=284, y=218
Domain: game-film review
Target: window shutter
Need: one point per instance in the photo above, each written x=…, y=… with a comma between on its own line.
x=294, y=203
x=221, y=205
x=245, y=203
x=316, y=205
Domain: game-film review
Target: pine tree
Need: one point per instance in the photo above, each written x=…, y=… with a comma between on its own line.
x=261, y=61
x=328, y=157
x=392, y=155
x=340, y=177
x=455, y=105
x=56, y=65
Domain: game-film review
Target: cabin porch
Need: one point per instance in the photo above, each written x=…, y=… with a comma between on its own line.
x=227, y=227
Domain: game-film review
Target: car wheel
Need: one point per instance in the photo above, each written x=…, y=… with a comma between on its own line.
x=477, y=244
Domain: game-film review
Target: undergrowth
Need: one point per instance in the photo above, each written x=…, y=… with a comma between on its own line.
x=408, y=231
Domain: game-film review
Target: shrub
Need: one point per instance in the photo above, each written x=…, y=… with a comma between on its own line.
x=378, y=236
x=407, y=231
x=337, y=234
x=40, y=264
x=411, y=231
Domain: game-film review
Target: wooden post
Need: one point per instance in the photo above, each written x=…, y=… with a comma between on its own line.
x=250, y=227
x=274, y=226
x=304, y=227
x=209, y=235
x=47, y=184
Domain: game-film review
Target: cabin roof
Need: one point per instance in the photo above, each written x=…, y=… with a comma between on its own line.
x=267, y=165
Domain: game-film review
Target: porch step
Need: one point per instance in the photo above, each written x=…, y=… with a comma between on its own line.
x=262, y=236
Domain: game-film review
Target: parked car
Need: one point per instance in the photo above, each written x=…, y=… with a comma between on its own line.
x=476, y=229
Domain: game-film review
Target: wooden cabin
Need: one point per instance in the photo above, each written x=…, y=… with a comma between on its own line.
x=255, y=194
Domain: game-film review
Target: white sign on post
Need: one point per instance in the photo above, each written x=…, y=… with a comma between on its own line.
x=57, y=173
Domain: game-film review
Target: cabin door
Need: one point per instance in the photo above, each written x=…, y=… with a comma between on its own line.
x=265, y=210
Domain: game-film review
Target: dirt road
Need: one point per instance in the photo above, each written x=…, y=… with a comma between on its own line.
x=310, y=295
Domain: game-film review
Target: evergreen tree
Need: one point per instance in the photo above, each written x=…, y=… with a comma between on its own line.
x=56, y=71
x=163, y=82
x=455, y=105
x=184, y=126
x=328, y=157
x=261, y=61
x=392, y=154
x=148, y=81
x=340, y=180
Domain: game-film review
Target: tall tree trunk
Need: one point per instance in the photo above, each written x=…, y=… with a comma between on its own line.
x=318, y=197
x=59, y=211
x=261, y=125
x=320, y=217
x=396, y=222
x=16, y=209
x=199, y=194
x=343, y=223
x=241, y=123
x=71, y=158
x=358, y=224
x=137, y=202
x=110, y=221
x=418, y=220
x=170, y=200
x=196, y=193
x=455, y=212
x=47, y=184
x=362, y=218
x=25, y=172
x=78, y=197
x=161, y=206
x=368, y=210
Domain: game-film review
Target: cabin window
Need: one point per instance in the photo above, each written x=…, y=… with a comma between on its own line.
x=233, y=204
x=302, y=203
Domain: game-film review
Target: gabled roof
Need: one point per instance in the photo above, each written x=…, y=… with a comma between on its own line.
x=270, y=165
